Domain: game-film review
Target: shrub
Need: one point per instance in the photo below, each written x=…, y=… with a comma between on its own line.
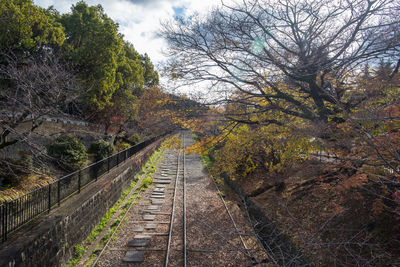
x=135, y=138
x=264, y=148
x=68, y=151
x=122, y=146
x=101, y=149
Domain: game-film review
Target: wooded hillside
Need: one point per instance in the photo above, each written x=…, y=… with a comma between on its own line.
x=309, y=119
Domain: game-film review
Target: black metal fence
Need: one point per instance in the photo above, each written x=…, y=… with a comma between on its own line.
x=19, y=211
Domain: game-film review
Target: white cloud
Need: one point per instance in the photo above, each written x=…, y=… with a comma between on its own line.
x=139, y=20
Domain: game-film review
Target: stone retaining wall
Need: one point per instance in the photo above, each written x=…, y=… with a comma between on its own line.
x=49, y=240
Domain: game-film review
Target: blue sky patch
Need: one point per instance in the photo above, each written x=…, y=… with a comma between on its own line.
x=179, y=11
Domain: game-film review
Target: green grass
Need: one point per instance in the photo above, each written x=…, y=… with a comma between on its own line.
x=195, y=137
x=77, y=254
x=79, y=250
x=207, y=162
x=208, y=159
x=109, y=233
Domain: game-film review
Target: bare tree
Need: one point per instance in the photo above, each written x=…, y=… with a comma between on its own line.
x=296, y=56
x=283, y=59
x=33, y=89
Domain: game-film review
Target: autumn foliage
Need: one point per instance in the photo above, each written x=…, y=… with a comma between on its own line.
x=316, y=176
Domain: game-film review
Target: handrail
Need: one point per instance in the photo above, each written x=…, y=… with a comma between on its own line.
x=17, y=212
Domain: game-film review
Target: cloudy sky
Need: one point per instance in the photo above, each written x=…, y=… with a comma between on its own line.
x=139, y=20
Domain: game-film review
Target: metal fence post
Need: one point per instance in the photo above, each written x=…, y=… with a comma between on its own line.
x=2, y=221
x=96, y=171
x=79, y=181
x=58, y=192
x=5, y=221
x=49, y=197
x=15, y=213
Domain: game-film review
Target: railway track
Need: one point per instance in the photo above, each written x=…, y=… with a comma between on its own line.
x=155, y=232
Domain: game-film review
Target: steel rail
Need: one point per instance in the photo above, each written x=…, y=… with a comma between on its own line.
x=184, y=205
x=116, y=228
x=127, y=211
x=255, y=232
x=173, y=213
x=233, y=221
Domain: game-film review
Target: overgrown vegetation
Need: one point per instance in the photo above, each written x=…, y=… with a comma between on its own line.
x=50, y=70
x=101, y=149
x=68, y=152
x=309, y=119
x=135, y=138
x=308, y=122
x=322, y=184
x=146, y=177
x=120, y=146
